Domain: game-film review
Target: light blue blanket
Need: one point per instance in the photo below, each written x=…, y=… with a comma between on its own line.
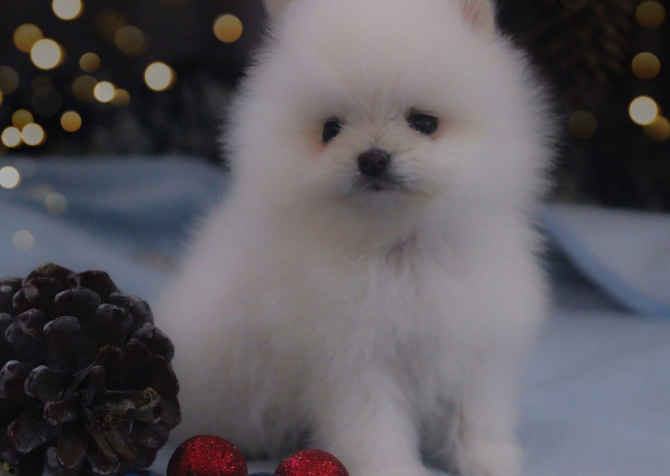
x=596, y=396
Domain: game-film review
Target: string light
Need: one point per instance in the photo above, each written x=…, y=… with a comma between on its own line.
x=228, y=28
x=646, y=65
x=11, y=137
x=82, y=88
x=9, y=178
x=71, y=121
x=129, y=40
x=104, y=91
x=67, y=9
x=650, y=14
x=55, y=203
x=9, y=80
x=46, y=54
x=22, y=118
x=26, y=36
x=89, y=62
x=643, y=110
x=23, y=240
x=121, y=98
x=33, y=135
x=583, y=124
x=159, y=76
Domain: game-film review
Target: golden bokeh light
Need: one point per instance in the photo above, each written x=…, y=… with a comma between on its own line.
x=9, y=177
x=583, y=124
x=159, y=76
x=0, y=97
x=108, y=22
x=46, y=54
x=643, y=110
x=82, y=88
x=89, y=62
x=26, y=36
x=9, y=80
x=46, y=102
x=650, y=14
x=11, y=137
x=22, y=118
x=646, y=65
x=658, y=130
x=41, y=84
x=104, y=91
x=55, y=203
x=228, y=28
x=33, y=135
x=70, y=121
x=67, y=9
x=129, y=40
x=23, y=240
x=121, y=98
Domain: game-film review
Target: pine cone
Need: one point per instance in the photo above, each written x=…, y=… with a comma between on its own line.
x=584, y=46
x=86, y=386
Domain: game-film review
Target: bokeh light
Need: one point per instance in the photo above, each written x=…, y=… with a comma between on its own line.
x=9, y=80
x=121, y=98
x=82, y=88
x=41, y=84
x=11, y=137
x=575, y=4
x=89, y=62
x=33, y=135
x=646, y=65
x=643, y=110
x=228, y=28
x=159, y=76
x=104, y=91
x=23, y=240
x=650, y=14
x=9, y=177
x=1, y=97
x=26, y=36
x=46, y=54
x=22, y=118
x=129, y=40
x=67, y=9
x=583, y=124
x=658, y=130
x=71, y=121
x=108, y=22
x=55, y=203
x=46, y=102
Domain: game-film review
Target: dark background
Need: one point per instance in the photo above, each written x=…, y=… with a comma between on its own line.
x=583, y=49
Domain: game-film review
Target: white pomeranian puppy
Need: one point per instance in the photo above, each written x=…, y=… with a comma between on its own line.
x=371, y=282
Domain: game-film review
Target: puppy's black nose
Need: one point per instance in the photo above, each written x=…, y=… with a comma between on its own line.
x=373, y=162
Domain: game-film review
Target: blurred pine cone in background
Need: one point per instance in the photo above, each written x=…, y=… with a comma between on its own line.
x=86, y=385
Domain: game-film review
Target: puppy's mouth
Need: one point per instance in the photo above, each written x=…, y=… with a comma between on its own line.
x=382, y=183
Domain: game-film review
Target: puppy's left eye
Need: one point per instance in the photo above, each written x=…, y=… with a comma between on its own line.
x=331, y=130
x=423, y=123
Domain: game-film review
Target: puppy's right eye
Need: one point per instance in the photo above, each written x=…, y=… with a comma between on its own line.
x=331, y=130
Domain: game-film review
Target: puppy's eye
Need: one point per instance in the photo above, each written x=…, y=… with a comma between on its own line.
x=331, y=130
x=423, y=123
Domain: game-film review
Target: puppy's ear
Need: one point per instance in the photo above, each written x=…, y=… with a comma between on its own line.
x=480, y=15
x=276, y=7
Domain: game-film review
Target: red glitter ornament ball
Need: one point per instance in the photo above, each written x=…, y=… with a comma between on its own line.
x=311, y=463
x=207, y=456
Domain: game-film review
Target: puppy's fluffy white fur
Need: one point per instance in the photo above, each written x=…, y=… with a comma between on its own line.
x=378, y=325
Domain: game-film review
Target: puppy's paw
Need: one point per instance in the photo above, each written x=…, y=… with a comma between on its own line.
x=487, y=459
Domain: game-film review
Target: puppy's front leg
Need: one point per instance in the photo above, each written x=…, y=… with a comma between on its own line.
x=367, y=424
x=485, y=421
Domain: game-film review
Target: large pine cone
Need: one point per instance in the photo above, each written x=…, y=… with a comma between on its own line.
x=86, y=385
